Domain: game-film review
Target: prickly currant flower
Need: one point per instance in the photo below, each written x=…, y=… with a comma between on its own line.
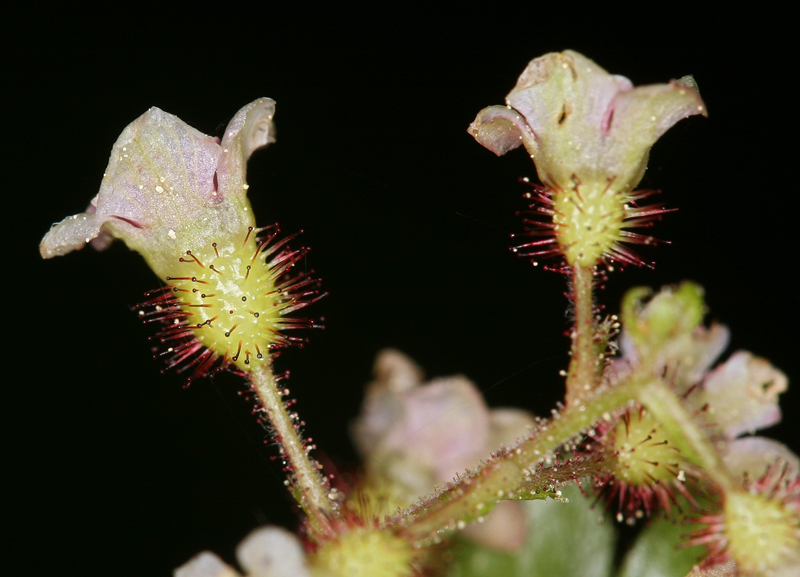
x=737, y=397
x=179, y=198
x=664, y=333
x=414, y=435
x=589, y=134
x=759, y=525
x=642, y=469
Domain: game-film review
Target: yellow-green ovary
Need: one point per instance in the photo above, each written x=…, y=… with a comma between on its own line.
x=643, y=455
x=232, y=305
x=588, y=219
x=762, y=532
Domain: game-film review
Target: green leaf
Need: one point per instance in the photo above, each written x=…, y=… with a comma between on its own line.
x=564, y=539
x=656, y=552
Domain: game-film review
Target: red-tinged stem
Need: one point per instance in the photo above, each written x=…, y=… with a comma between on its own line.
x=582, y=375
x=306, y=484
x=474, y=494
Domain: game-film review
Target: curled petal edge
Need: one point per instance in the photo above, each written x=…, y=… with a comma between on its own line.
x=501, y=128
x=638, y=118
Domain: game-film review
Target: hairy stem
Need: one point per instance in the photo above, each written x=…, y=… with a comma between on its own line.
x=582, y=375
x=474, y=494
x=683, y=431
x=308, y=486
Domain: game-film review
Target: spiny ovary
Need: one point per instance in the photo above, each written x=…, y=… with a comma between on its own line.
x=233, y=306
x=588, y=219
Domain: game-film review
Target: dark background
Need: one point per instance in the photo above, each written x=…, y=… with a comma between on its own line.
x=114, y=469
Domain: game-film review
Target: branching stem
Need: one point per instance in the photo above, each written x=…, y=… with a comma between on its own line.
x=474, y=494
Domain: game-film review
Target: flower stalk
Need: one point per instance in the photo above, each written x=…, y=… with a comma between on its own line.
x=306, y=484
x=582, y=375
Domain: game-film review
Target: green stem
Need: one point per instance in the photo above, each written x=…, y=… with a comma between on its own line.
x=510, y=471
x=582, y=375
x=683, y=431
x=308, y=487
x=474, y=494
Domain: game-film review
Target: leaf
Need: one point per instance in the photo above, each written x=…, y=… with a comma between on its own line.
x=656, y=553
x=564, y=539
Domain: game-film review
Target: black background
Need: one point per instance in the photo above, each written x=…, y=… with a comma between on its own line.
x=113, y=469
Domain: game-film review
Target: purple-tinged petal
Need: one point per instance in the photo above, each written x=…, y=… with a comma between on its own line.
x=691, y=356
x=414, y=435
x=158, y=179
x=743, y=394
x=383, y=407
x=249, y=130
x=444, y=421
x=752, y=456
x=687, y=359
x=500, y=129
x=565, y=98
x=169, y=188
x=639, y=117
x=585, y=122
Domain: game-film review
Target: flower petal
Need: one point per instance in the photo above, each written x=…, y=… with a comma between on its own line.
x=249, y=130
x=272, y=552
x=743, y=394
x=690, y=356
x=169, y=188
x=752, y=456
x=159, y=175
x=70, y=234
x=501, y=128
x=442, y=424
x=205, y=564
x=565, y=98
x=639, y=117
x=578, y=120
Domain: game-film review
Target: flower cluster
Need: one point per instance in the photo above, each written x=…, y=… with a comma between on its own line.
x=758, y=526
x=656, y=428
